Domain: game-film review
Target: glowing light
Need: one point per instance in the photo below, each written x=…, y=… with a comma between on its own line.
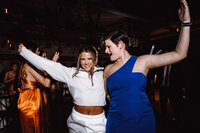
x=6, y=10
x=177, y=29
x=10, y=45
x=152, y=48
x=155, y=77
x=8, y=41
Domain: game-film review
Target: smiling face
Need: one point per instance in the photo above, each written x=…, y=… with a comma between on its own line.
x=87, y=61
x=112, y=50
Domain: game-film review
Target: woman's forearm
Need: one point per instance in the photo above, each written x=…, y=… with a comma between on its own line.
x=183, y=42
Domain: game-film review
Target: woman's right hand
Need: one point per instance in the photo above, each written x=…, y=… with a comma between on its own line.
x=20, y=48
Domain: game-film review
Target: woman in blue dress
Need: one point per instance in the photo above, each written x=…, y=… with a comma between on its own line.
x=130, y=110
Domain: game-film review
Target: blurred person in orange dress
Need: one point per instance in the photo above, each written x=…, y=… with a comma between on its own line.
x=29, y=101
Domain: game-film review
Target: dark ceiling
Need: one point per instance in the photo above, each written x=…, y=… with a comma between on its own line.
x=74, y=20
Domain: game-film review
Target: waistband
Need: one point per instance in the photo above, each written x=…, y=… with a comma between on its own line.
x=88, y=116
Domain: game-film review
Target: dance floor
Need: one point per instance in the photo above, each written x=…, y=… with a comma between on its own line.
x=62, y=106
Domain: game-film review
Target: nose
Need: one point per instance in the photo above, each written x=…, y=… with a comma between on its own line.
x=86, y=62
x=106, y=50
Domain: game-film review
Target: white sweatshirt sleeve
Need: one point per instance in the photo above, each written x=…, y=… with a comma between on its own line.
x=56, y=70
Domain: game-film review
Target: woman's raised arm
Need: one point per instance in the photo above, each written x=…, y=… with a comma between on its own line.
x=54, y=69
x=182, y=46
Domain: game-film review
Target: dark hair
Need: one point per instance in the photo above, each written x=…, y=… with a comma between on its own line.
x=115, y=36
x=41, y=52
x=86, y=49
x=12, y=64
x=31, y=46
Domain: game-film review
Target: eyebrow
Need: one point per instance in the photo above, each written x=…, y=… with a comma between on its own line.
x=86, y=58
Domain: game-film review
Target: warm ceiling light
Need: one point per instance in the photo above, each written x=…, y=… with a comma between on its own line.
x=6, y=10
x=8, y=41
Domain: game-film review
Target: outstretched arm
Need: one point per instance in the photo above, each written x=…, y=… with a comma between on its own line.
x=54, y=69
x=182, y=46
x=42, y=80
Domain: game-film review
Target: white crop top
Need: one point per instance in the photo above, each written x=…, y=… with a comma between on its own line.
x=80, y=86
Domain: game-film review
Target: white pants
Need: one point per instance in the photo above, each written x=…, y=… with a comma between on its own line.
x=81, y=123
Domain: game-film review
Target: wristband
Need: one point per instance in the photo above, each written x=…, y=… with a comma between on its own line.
x=186, y=24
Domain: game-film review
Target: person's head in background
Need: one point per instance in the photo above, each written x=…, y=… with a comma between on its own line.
x=43, y=54
x=32, y=46
x=13, y=67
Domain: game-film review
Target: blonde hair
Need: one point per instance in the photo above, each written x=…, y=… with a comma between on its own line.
x=88, y=49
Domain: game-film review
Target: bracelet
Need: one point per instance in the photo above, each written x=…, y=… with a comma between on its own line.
x=186, y=24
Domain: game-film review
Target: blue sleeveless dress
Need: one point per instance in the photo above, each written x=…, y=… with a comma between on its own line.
x=130, y=110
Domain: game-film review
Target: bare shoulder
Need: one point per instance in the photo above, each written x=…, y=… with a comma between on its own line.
x=107, y=69
x=141, y=64
x=27, y=68
x=7, y=73
x=25, y=65
x=143, y=58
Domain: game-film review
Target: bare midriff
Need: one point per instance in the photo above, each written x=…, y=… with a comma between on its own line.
x=89, y=110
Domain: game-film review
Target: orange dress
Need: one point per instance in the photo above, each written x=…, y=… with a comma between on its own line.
x=29, y=105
